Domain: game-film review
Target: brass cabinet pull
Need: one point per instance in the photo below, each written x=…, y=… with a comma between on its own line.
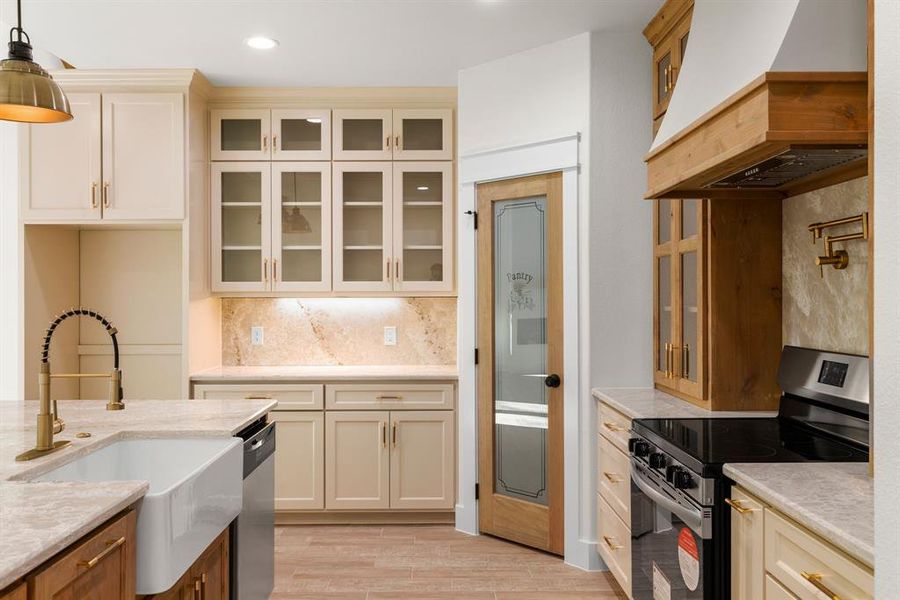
x=387, y=143
x=610, y=541
x=672, y=76
x=265, y=270
x=686, y=361
x=816, y=580
x=668, y=350
x=394, y=435
x=613, y=427
x=203, y=587
x=387, y=267
x=383, y=434
x=389, y=397
x=105, y=194
x=613, y=477
x=265, y=143
x=257, y=397
x=110, y=548
x=397, y=143
x=397, y=271
x=93, y=194
x=274, y=269
x=196, y=592
x=274, y=144
x=738, y=507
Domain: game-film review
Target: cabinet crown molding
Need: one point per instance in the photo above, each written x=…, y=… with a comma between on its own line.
x=111, y=80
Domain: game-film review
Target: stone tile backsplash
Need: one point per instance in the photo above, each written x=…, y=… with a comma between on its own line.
x=339, y=331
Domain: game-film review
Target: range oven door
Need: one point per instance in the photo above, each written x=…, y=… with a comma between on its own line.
x=671, y=546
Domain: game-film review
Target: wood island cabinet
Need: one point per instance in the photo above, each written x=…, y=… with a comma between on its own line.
x=207, y=579
x=17, y=592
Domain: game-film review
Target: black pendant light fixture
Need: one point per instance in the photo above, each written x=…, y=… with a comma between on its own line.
x=27, y=92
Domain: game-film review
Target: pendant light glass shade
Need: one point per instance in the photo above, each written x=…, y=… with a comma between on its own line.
x=28, y=93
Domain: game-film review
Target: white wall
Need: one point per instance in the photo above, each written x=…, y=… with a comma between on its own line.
x=886, y=363
x=10, y=266
x=595, y=85
x=732, y=43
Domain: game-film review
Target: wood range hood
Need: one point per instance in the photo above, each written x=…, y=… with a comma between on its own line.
x=783, y=134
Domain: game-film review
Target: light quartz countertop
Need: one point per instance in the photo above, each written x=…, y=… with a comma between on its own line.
x=834, y=500
x=650, y=403
x=324, y=373
x=37, y=520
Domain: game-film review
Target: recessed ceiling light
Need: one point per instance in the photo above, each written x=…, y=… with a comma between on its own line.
x=422, y=188
x=314, y=120
x=259, y=42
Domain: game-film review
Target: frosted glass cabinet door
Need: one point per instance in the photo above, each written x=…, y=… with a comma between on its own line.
x=301, y=134
x=362, y=227
x=365, y=134
x=240, y=134
x=301, y=226
x=423, y=227
x=241, y=227
x=423, y=134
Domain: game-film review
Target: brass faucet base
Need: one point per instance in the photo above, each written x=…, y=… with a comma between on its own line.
x=116, y=406
x=35, y=453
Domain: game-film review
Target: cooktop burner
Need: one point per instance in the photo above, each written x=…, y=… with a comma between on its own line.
x=709, y=443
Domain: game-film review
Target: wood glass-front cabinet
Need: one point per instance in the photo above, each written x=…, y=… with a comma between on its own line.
x=399, y=134
x=389, y=459
x=669, y=36
x=271, y=226
x=120, y=159
x=276, y=134
x=393, y=226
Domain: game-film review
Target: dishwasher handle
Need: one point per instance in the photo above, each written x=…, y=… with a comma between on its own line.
x=259, y=447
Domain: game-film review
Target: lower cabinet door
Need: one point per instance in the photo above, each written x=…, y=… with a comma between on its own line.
x=102, y=567
x=299, y=460
x=211, y=570
x=357, y=460
x=422, y=459
x=747, y=545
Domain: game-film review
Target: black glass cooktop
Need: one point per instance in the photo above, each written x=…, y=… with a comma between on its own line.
x=709, y=443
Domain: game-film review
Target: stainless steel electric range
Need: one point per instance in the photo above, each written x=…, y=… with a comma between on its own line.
x=680, y=520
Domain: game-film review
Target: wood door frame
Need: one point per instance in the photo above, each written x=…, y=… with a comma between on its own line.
x=530, y=524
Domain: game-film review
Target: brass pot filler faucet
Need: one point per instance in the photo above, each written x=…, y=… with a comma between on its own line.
x=48, y=421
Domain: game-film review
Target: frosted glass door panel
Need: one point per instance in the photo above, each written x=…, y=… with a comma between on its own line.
x=363, y=135
x=301, y=134
x=423, y=134
x=240, y=134
x=302, y=226
x=520, y=348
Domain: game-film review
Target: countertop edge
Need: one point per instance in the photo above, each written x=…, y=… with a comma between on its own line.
x=29, y=563
x=850, y=545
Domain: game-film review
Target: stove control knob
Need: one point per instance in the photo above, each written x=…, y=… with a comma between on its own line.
x=670, y=472
x=657, y=460
x=641, y=448
x=682, y=480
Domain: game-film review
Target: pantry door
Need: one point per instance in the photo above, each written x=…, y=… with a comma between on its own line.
x=520, y=340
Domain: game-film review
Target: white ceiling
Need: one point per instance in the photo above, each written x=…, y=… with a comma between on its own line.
x=322, y=42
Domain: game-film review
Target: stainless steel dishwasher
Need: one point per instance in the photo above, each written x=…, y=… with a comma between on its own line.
x=252, y=534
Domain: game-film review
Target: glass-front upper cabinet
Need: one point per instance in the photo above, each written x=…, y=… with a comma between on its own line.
x=421, y=134
x=240, y=134
x=263, y=134
x=301, y=134
x=240, y=227
x=362, y=228
x=301, y=226
x=363, y=134
x=423, y=227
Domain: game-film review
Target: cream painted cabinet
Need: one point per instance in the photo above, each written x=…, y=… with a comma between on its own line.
x=423, y=134
x=121, y=159
x=422, y=459
x=143, y=156
x=357, y=460
x=747, y=542
x=363, y=257
x=62, y=163
x=264, y=134
x=299, y=460
x=363, y=134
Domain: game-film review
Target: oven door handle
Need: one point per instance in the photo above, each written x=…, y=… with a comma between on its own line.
x=693, y=519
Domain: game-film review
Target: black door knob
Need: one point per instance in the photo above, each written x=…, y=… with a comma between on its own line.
x=552, y=380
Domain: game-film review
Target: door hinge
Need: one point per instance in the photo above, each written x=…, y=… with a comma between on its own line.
x=476, y=491
x=476, y=356
x=474, y=214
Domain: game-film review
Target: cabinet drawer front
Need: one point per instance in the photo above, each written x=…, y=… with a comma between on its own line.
x=614, y=543
x=614, y=426
x=108, y=554
x=614, y=478
x=349, y=396
x=292, y=396
x=799, y=560
x=776, y=591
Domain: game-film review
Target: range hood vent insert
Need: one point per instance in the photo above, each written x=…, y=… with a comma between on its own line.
x=790, y=165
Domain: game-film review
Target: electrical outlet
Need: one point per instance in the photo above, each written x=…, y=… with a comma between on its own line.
x=390, y=336
x=256, y=336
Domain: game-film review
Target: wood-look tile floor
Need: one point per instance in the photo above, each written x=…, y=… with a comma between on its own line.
x=332, y=562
